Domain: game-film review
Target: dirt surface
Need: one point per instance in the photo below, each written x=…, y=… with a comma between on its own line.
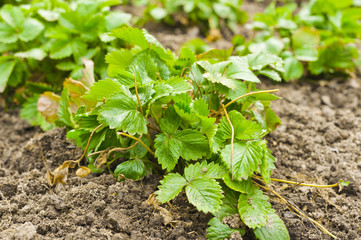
x=319, y=142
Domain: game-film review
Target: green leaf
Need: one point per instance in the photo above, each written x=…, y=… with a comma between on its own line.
x=49, y=15
x=116, y=19
x=203, y=169
x=243, y=129
x=243, y=186
x=35, y=53
x=258, y=61
x=61, y=49
x=103, y=89
x=118, y=60
x=200, y=107
x=167, y=150
x=30, y=29
x=120, y=112
x=158, y=13
x=214, y=73
x=305, y=42
x=293, y=69
x=254, y=208
x=239, y=69
x=6, y=68
x=247, y=156
x=274, y=229
x=188, y=144
x=65, y=116
x=12, y=15
x=205, y=194
x=7, y=34
x=132, y=36
x=272, y=74
x=218, y=231
x=170, y=187
x=131, y=169
x=267, y=166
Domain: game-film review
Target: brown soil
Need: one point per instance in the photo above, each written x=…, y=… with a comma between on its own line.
x=318, y=142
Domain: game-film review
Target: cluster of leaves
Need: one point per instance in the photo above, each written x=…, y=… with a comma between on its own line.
x=198, y=119
x=321, y=38
x=210, y=16
x=43, y=42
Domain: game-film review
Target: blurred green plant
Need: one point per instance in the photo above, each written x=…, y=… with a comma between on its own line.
x=210, y=16
x=43, y=42
x=319, y=38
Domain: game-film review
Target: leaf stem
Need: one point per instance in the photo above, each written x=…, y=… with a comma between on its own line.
x=87, y=145
x=301, y=184
x=232, y=140
x=141, y=109
x=138, y=140
x=245, y=95
x=136, y=93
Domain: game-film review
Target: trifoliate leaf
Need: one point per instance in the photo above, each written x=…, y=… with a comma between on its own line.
x=274, y=229
x=243, y=129
x=6, y=67
x=205, y=194
x=120, y=112
x=131, y=169
x=203, y=169
x=267, y=166
x=188, y=144
x=218, y=230
x=170, y=187
x=30, y=29
x=247, y=156
x=254, y=208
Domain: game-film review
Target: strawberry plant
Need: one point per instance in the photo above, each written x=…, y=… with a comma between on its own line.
x=45, y=41
x=321, y=38
x=210, y=16
x=198, y=119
